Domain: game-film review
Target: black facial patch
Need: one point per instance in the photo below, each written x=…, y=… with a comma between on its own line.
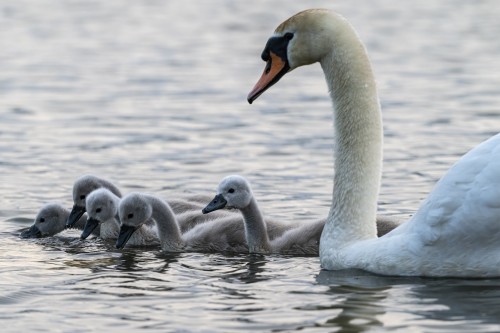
x=277, y=65
x=278, y=46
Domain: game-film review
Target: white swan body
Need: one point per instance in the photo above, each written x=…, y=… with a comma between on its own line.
x=455, y=232
x=300, y=239
x=51, y=220
x=102, y=209
x=211, y=236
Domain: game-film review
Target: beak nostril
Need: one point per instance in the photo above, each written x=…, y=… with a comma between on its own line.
x=268, y=67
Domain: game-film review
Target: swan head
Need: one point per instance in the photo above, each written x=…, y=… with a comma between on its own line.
x=134, y=210
x=101, y=206
x=232, y=192
x=303, y=39
x=49, y=221
x=82, y=187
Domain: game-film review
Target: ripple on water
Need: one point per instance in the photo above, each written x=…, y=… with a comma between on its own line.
x=156, y=102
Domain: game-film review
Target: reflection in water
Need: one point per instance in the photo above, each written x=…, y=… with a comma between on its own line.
x=127, y=261
x=421, y=301
x=473, y=300
x=358, y=295
x=166, y=259
x=148, y=96
x=250, y=271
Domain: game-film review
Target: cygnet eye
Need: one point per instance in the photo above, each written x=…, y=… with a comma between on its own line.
x=231, y=190
x=42, y=220
x=130, y=215
x=82, y=196
x=288, y=35
x=98, y=210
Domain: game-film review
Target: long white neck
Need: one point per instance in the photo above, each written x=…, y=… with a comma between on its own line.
x=168, y=229
x=357, y=143
x=255, y=229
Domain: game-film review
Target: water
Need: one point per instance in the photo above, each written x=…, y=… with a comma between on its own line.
x=152, y=95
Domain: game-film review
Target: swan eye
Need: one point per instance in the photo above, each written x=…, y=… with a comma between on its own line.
x=98, y=210
x=130, y=215
x=231, y=190
x=82, y=196
x=42, y=220
x=288, y=35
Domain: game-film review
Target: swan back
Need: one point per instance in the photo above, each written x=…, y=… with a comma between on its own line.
x=188, y=210
x=223, y=234
x=188, y=203
x=187, y=220
x=300, y=240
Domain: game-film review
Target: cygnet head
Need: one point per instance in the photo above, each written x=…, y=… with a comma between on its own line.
x=101, y=206
x=303, y=39
x=232, y=192
x=49, y=221
x=82, y=187
x=134, y=210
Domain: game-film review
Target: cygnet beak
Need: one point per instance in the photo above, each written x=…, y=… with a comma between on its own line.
x=32, y=232
x=217, y=203
x=90, y=225
x=75, y=215
x=125, y=234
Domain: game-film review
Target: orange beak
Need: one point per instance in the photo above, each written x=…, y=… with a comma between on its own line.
x=275, y=69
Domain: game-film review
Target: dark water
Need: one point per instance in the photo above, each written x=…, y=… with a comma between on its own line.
x=152, y=95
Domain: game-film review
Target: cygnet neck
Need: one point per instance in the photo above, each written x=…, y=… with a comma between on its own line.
x=255, y=228
x=168, y=229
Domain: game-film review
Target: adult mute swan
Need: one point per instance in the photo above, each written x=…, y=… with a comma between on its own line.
x=102, y=210
x=51, y=220
x=235, y=192
x=455, y=232
x=225, y=235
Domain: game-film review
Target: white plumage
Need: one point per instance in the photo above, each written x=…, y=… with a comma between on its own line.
x=455, y=232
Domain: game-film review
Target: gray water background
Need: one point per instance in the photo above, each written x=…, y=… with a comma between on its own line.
x=152, y=95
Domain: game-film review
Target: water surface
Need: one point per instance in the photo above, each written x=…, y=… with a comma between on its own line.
x=152, y=95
